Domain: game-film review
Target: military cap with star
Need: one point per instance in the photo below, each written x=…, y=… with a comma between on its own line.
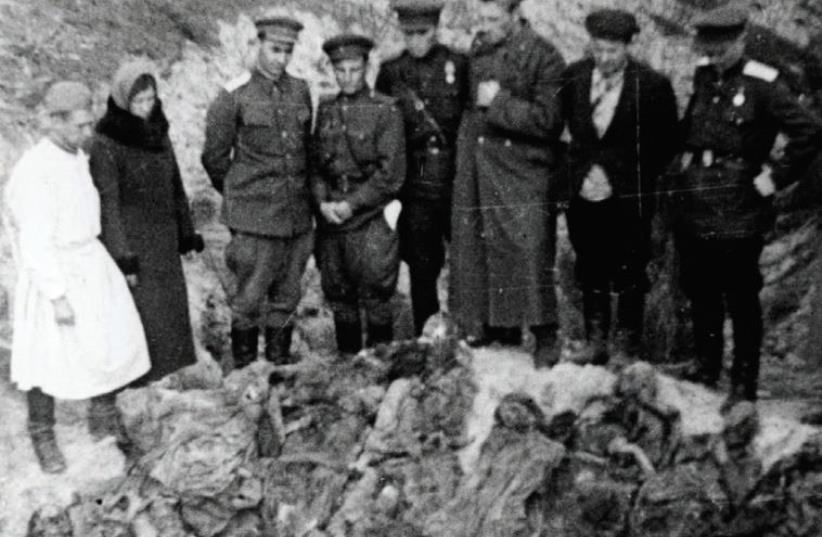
x=280, y=29
x=611, y=25
x=347, y=46
x=418, y=14
x=721, y=24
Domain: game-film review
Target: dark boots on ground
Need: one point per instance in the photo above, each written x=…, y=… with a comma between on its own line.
x=244, y=343
x=547, y=346
x=349, y=336
x=103, y=420
x=41, y=431
x=278, y=344
x=596, y=309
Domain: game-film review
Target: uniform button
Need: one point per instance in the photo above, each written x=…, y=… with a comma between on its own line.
x=481, y=139
x=285, y=134
x=715, y=100
x=507, y=143
x=432, y=139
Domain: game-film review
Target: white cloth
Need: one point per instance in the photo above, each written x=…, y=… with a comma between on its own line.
x=605, y=93
x=54, y=214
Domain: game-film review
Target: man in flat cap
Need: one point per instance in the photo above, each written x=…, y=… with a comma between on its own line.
x=77, y=333
x=503, y=227
x=430, y=84
x=622, y=117
x=359, y=168
x=256, y=149
x=724, y=191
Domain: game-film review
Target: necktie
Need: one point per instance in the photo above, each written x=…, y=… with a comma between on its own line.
x=603, y=102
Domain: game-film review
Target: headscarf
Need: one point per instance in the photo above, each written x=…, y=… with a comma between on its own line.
x=121, y=125
x=125, y=77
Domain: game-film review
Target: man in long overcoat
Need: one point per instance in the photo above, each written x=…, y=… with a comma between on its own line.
x=503, y=229
x=622, y=118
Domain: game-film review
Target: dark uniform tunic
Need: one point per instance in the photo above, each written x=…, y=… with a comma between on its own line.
x=255, y=153
x=431, y=92
x=729, y=129
x=503, y=231
x=359, y=158
x=611, y=238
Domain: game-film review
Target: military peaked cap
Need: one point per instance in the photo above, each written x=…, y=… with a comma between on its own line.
x=347, y=46
x=281, y=29
x=721, y=24
x=418, y=13
x=612, y=25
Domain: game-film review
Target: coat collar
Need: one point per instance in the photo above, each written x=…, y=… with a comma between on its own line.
x=625, y=105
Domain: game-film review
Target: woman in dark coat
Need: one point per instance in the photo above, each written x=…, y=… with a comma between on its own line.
x=146, y=224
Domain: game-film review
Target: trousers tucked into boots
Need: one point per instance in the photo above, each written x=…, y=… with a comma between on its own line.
x=597, y=313
x=244, y=342
x=278, y=344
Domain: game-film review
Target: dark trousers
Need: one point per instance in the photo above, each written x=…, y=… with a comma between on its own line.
x=612, y=247
x=720, y=275
x=41, y=407
x=268, y=271
x=359, y=266
x=424, y=228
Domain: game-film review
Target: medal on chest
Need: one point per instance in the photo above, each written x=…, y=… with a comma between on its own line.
x=450, y=72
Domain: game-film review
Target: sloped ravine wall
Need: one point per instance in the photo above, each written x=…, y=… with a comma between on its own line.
x=419, y=438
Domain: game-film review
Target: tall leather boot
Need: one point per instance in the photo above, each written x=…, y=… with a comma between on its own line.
x=708, y=316
x=597, y=313
x=278, y=344
x=244, y=342
x=104, y=420
x=41, y=431
x=630, y=317
x=548, y=345
x=349, y=336
x=424, y=301
x=379, y=333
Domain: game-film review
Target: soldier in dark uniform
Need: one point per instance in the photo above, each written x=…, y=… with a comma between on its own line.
x=723, y=193
x=257, y=132
x=622, y=116
x=430, y=84
x=359, y=168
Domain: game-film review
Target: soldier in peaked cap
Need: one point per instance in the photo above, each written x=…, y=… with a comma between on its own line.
x=430, y=83
x=359, y=168
x=255, y=153
x=618, y=150
x=724, y=191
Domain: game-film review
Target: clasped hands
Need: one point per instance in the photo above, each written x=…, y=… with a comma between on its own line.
x=336, y=212
x=486, y=91
x=596, y=186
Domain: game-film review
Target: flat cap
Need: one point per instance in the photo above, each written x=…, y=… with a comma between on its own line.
x=347, y=46
x=67, y=96
x=418, y=13
x=280, y=29
x=611, y=25
x=721, y=24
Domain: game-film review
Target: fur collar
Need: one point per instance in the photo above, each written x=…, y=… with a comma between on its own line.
x=126, y=128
